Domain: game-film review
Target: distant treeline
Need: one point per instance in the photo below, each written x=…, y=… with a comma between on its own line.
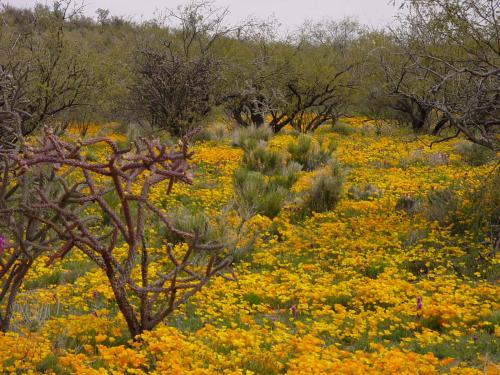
x=437, y=70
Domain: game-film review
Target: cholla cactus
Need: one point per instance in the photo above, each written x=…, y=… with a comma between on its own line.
x=26, y=224
x=128, y=176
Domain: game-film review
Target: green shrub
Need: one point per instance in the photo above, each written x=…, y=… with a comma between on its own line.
x=418, y=158
x=251, y=136
x=325, y=190
x=287, y=175
x=216, y=132
x=407, y=204
x=263, y=159
x=474, y=154
x=310, y=153
x=343, y=128
x=263, y=181
x=441, y=204
x=194, y=221
x=367, y=192
x=481, y=208
x=257, y=193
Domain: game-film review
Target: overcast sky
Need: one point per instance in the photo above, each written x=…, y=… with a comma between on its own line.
x=290, y=12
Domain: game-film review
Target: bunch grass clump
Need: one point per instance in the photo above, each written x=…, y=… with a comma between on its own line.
x=248, y=137
x=326, y=189
x=343, y=129
x=474, y=154
x=263, y=181
x=217, y=132
x=259, y=194
x=441, y=205
x=366, y=192
x=263, y=159
x=309, y=152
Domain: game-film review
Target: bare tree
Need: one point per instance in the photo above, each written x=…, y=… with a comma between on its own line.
x=178, y=81
x=41, y=77
x=337, y=35
x=311, y=103
x=296, y=82
x=451, y=65
x=256, y=88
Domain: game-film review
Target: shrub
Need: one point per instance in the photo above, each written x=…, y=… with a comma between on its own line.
x=418, y=158
x=176, y=84
x=437, y=158
x=258, y=194
x=262, y=159
x=192, y=221
x=310, y=153
x=407, y=204
x=325, y=190
x=480, y=209
x=343, y=128
x=441, y=204
x=288, y=175
x=367, y=192
x=250, y=136
x=263, y=181
x=474, y=154
x=217, y=133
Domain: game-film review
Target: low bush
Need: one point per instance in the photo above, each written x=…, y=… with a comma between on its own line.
x=441, y=205
x=262, y=159
x=258, y=194
x=263, y=181
x=343, y=128
x=310, y=153
x=326, y=189
x=480, y=210
x=216, y=132
x=192, y=221
x=474, y=154
x=367, y=192
x=407, y=204
x=288, y=175
x=250, y=136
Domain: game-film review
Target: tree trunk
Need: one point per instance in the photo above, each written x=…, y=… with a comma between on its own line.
x=125, y=307
x=441, y=123
x=14, y=289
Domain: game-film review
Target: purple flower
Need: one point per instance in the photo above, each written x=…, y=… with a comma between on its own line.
x=95, y=294
x=2, y=243
x=293, y=309
x=419, y=303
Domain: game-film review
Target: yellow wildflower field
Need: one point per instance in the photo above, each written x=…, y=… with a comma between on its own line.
x=361, y=289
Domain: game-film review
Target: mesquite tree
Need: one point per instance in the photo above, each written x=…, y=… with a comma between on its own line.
x=303, y=82
x=147, y=286
x=451, y=65
x=178, y=74
x=41, y=74
x=310, y=104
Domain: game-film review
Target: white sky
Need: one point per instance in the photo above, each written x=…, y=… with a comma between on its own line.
x=290, y=12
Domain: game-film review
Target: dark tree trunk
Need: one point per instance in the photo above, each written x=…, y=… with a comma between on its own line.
x=17, y=280
x=440, y=125
x=257, y=119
